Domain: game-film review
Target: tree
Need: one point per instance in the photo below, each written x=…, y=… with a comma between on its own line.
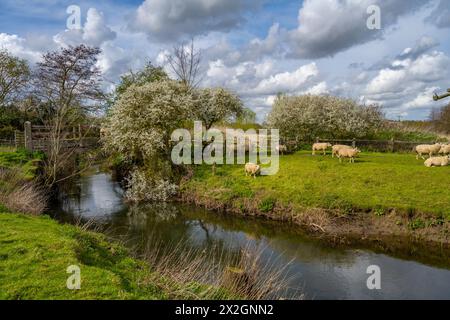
x=247, y=116
x=185, y=64
x=67, y=85
x=214, y=105
x=139, y=127
x=14, y=76
x=148, y=74
x=307, y=117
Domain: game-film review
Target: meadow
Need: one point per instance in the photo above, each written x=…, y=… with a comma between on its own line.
x=376, y=181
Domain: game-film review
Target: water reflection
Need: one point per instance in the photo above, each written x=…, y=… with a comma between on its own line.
x=322, y=272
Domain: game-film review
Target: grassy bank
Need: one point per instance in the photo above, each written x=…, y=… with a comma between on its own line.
x=319, y=189
x=35, y=253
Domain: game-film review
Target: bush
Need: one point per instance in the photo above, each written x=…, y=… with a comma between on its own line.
x=307, y=117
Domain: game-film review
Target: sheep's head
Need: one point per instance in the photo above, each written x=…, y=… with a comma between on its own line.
x=329, y=145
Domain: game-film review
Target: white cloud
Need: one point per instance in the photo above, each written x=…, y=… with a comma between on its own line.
x=331, y=26
x=95, y=32
x=18, y=46
x=422, y=100
x=288, y=81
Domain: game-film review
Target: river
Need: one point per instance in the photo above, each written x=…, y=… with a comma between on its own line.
x=313, y=267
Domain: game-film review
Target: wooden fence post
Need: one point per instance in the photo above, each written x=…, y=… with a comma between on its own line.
x=354, y=143
x=28, y=136
x=392, y=145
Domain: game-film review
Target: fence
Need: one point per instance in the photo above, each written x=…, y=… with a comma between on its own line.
x=39, y=138
x=378, y=145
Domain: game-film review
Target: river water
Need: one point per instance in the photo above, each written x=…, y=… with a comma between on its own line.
x=314, y=268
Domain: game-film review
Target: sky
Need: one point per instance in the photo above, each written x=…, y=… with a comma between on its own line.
x=258, y=48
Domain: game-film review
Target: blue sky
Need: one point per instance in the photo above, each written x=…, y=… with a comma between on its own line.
x=258, y=48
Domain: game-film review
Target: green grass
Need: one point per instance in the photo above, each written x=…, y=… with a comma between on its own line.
x=35, y=253
x=377, y=181
x=26, y=161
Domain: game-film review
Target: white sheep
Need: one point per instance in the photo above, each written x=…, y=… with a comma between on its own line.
x=337, y=147
x=430, y=149
x=320, y=147
x=445, y=149
x=282, y=149
x=350, y=153
x=252, y=169
x=437, y=162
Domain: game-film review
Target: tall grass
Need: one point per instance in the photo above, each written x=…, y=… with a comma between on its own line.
x=21, y=196
x=241, y=274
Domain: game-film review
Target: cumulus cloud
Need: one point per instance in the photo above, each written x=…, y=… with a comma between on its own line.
x=288, y=81
x=408, y=85
x=331, y=26
x=169, y=20
x=18, y=46
x=95, y=32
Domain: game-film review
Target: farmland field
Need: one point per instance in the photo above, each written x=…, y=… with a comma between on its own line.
x=376, y=181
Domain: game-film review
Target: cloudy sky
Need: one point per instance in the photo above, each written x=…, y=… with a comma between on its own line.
x=258, y=48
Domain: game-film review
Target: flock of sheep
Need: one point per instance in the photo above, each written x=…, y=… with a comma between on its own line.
x=348, y=152
x=433, y=151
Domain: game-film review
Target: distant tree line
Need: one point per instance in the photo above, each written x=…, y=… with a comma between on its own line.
x=440, y=119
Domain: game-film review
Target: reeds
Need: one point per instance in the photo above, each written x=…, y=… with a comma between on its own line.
x=20, y=196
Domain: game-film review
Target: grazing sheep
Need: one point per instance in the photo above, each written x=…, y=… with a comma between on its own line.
x=338, y=147
x=348, y=153
x=252, y=169
x=320, y=147
x=437, y=162
x=282, y=149
x=445, y=149
x=430, y=149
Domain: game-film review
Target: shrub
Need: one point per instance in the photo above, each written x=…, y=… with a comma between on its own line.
x=307, y=117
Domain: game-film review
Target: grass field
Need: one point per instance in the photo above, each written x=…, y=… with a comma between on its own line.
x=35, y=253
x=377, y=181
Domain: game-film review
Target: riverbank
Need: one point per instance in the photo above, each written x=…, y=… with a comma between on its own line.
x=35, y=253
x=381, y=196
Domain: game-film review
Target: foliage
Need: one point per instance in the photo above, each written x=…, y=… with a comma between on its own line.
x=148, y=74
x=247, y=116
x=375, y=181
x=139, y=128
x=13, y=118
x=214, y=105
x=307, y=117
x=14, y=75
x=141, y=122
